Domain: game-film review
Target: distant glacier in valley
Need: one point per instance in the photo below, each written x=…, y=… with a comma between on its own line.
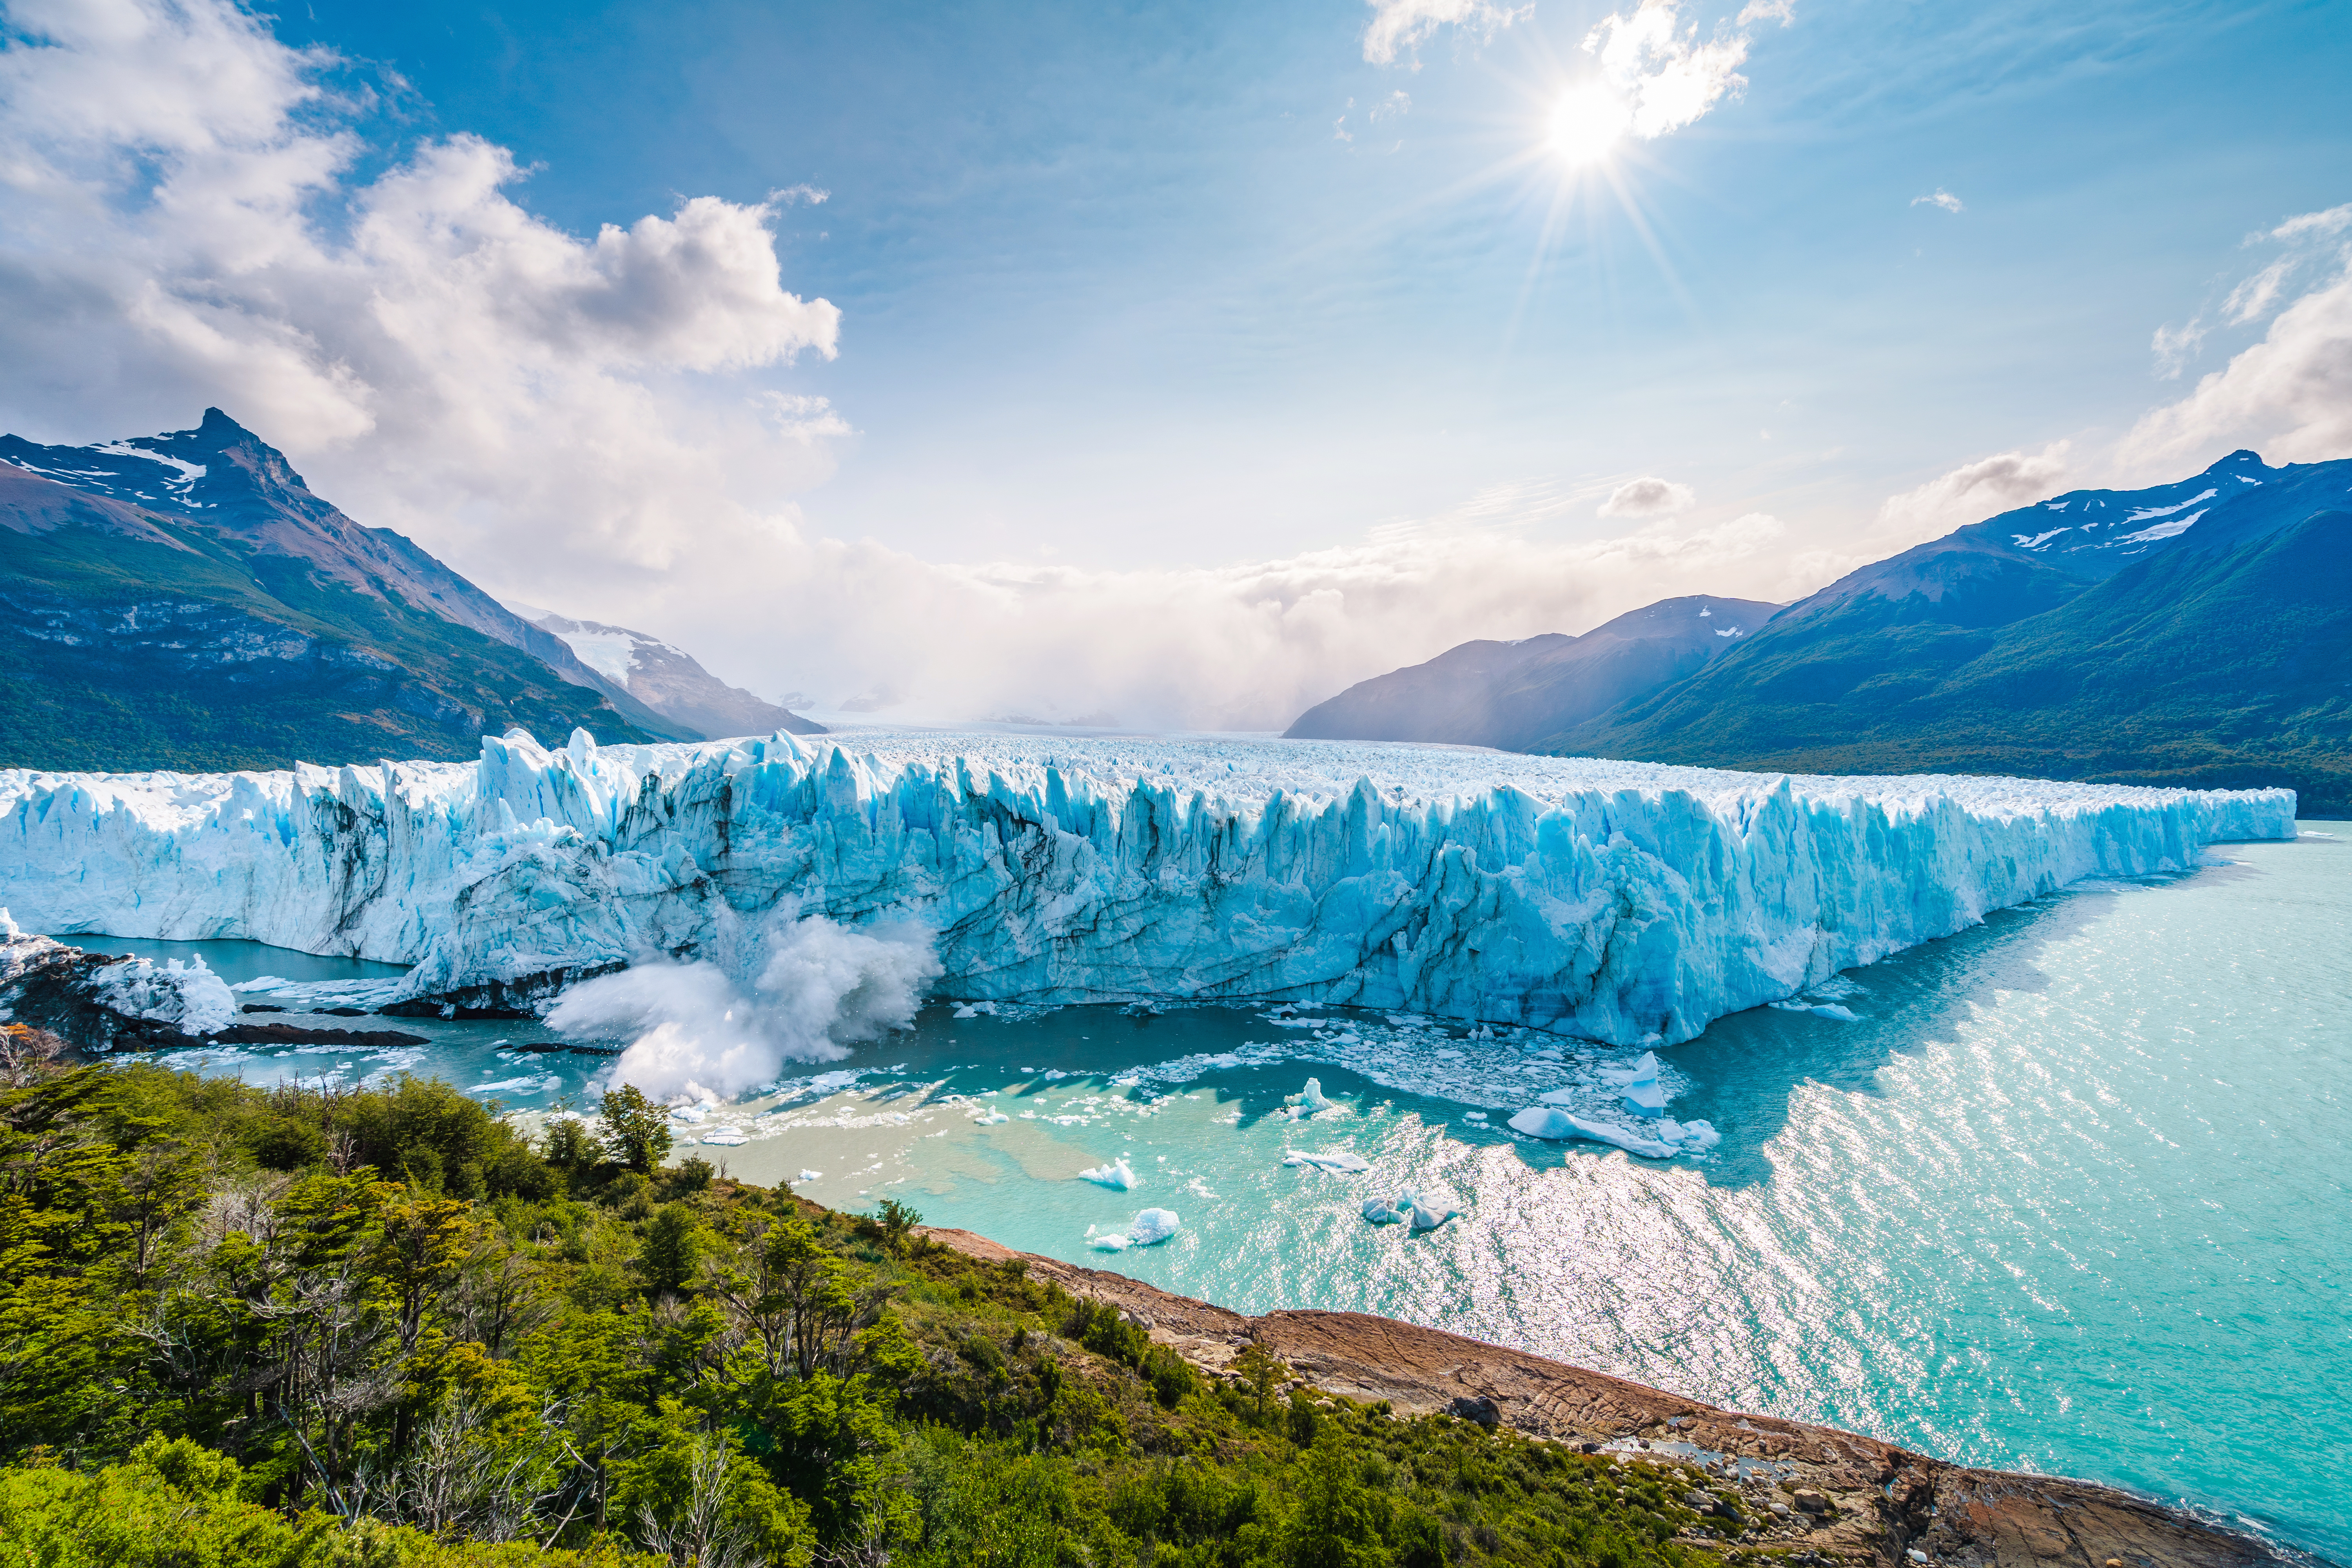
x=1620, y=902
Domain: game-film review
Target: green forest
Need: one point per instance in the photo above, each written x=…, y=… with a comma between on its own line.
x=382, y=1327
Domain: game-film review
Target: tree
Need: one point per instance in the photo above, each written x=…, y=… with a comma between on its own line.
x=673, y=1250
x=897, y=1219
x=637, y=1130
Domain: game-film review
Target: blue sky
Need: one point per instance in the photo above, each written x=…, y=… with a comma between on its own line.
x=1134, y=289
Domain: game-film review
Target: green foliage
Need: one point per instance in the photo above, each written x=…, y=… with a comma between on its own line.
x=673, y=1250
x=637, y=1130
x=222, y=1344
x=384, y=680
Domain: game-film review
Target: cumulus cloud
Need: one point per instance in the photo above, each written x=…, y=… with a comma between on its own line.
x=1974, y=492
x=1941, y=197
x=1648, y=498
x=2289, y=396
x=1666, y=76
x=1399, y=28
x=180, y=222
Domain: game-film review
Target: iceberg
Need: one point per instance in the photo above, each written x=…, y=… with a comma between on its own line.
x=1383, y=1211
x=1329, y=1160
x=1116, y=1175
x=1620, y=902
x=1421, y=1214
x=1153, y=1226
x=1552, y=1122
x=1311, y=1099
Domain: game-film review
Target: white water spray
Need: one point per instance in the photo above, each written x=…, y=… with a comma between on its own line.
x=788, y=990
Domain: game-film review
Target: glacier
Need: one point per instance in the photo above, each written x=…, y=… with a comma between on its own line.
x=1622, y=902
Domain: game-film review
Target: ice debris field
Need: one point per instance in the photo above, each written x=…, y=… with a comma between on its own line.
x=731, y=905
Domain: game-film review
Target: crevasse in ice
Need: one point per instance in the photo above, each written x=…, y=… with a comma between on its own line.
x=1625, y=902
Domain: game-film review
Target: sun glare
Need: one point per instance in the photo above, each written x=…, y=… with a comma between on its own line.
x=1589, y=123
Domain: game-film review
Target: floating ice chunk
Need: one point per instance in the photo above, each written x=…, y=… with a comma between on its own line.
x=1646, y=1099
x=1117, y=1174
x=1549, y=1122
x=975, y=1009
x=1311, y=1099
x=726, y=1137
x=1153, y=1226
x=1108, y=1241
x=810, y=1176
x=1820, y=1010
x=1422, y=1214
x=1642, y=1069
x=687, y=1113
x=1383, y=1211
x=1699, y=1136
x=991, y=1117
x=1329, y=1160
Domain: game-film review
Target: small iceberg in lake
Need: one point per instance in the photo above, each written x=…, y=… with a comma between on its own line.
x=809, y=1177
x=1820, y=1010
x=1329, y=1160
x=1409, y=1209
x=1150, y=1227
x=1638, y=1082
x=1311, y=1099
x=726, y=1137
x=1422, y=1214
x=1118, y=1175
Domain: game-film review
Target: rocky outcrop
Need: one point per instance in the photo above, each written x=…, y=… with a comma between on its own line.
x=1814, y=1494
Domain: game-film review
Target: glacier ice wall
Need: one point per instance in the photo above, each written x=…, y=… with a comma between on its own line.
x=1620, y=901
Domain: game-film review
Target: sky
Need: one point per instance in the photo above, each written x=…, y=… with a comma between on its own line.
x=1176, y=366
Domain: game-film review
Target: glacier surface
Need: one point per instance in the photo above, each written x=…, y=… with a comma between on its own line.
x=1622, y=902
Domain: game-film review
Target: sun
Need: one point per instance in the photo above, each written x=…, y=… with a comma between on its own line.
x=1587, y=123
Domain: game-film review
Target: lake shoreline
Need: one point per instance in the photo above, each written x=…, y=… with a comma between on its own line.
x=1879, y=1502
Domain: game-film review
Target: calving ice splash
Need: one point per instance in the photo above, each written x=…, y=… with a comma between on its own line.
x=727, y=907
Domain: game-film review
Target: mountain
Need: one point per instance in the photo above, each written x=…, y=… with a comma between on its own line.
x=185, y=601
x=667, y=680
x=2198, y=633
x=1516, y=695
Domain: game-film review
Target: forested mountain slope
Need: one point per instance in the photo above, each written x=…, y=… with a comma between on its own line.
x=1515, y=695
x=185, y=601
x=2197, y=633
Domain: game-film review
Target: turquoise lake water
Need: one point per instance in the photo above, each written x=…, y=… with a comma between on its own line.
x=2068, y=1195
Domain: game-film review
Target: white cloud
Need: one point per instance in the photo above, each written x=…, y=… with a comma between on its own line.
x=2175, y=346
x=1400, y=27
x=1666, y=76
x=1941, y=197
x=2289, y=396
x=1648, y=498
x=180, y=224
x=1781, y=11
x=1242, y=647
x=1972, y=493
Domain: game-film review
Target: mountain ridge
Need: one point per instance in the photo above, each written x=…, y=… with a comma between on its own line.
x=2194, y=632
x=184, y=600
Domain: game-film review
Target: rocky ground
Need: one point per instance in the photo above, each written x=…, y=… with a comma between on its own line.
x=1832, y=1497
